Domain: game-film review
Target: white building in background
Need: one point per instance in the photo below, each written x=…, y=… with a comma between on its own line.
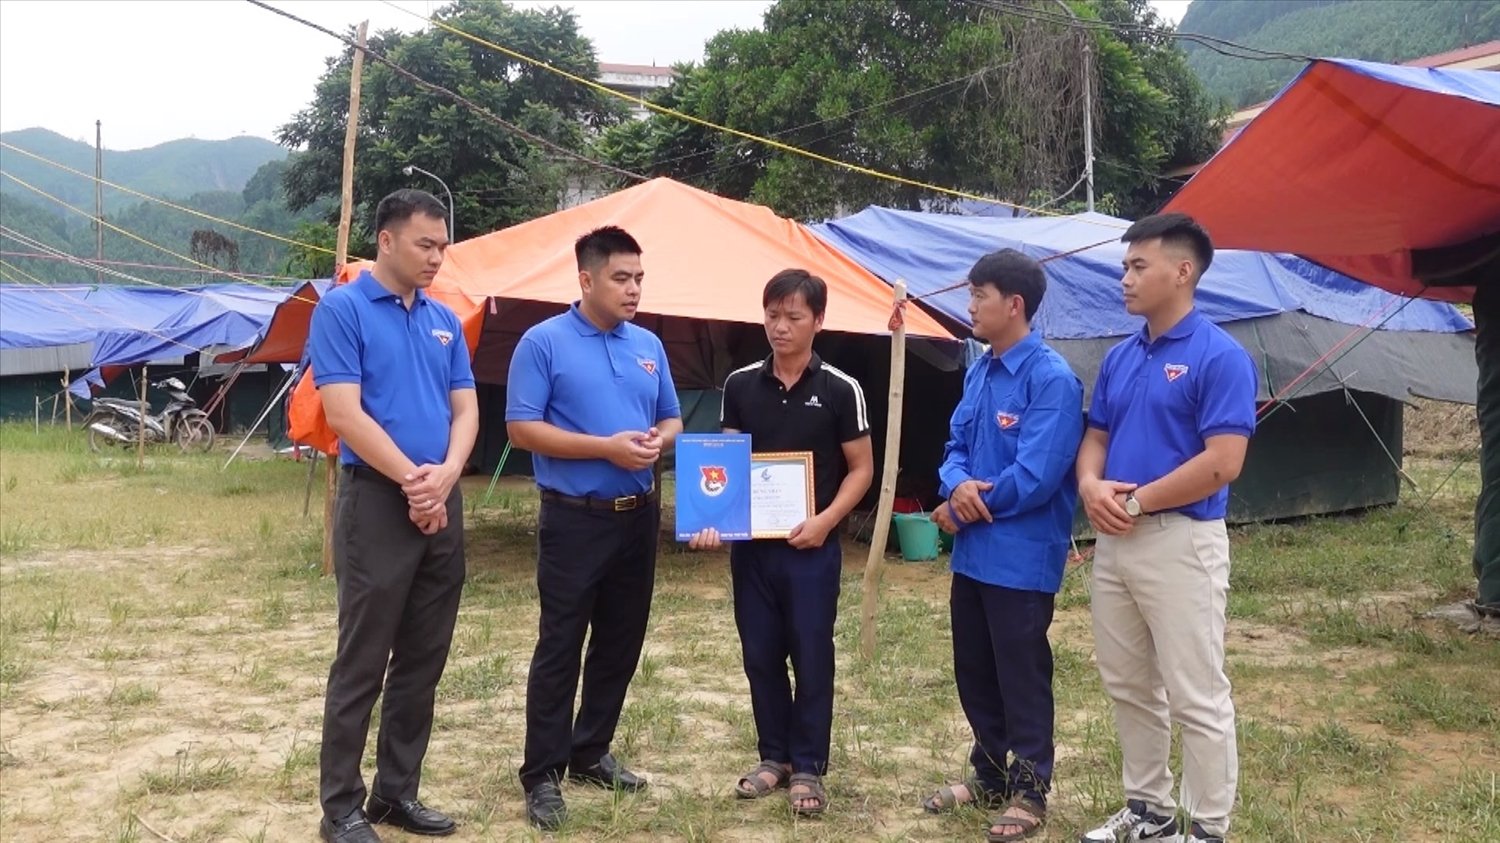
x=637, y=80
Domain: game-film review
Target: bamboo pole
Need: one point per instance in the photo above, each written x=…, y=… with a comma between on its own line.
x=892, y=461
x=67, y=397
x=346, y=216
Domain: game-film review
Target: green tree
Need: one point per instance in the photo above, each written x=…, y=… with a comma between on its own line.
x=937, y=91
x=305, y=261
x=497, y=177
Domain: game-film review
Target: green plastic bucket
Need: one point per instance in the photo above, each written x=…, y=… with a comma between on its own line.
x=945, y=541
x=917, y=535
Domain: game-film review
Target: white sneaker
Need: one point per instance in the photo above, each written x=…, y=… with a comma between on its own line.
x=1134, y=822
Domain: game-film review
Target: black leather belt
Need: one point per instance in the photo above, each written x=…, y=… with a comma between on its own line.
x=626, y=503
x=364, y=472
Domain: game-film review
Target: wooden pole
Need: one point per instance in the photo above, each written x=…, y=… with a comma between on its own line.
x=140, y=442
x=341, y=257
x=98, y=200
x=67, y=397
x=892, y=459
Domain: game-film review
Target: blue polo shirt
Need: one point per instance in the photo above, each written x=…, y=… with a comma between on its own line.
x=406, y=362
x=1018, y=426
x=568, y=373
x=1159, y=401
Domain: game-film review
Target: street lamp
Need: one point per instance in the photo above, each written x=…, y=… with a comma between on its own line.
x=410, y=168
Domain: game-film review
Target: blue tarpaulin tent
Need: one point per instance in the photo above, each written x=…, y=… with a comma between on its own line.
x=1289, y=313
x=227, y=315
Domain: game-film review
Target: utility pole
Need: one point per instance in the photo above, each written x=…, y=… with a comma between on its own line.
x=1088, y=108
x=98, y=200
x=341, y=257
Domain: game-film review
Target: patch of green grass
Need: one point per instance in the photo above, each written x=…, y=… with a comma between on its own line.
x=481, y=679
x=134, y=694
x=1341, y=624
x=274, y=613
x=189, y=775
x=17, y=539
x=297, y=767
x=1420, y=698
x=14, y=666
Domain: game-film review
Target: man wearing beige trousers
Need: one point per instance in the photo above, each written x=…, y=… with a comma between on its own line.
x=1171, y=416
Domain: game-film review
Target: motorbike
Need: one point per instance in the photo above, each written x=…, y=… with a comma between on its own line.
x=116, y=423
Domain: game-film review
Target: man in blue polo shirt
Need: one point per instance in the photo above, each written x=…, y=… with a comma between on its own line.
x=392, y=370
x=1171, y=416
x=1007, y=474
x=591, y=396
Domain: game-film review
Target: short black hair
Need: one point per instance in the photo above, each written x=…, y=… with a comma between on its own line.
x=406, y=203
x=1014, y=274
x=599, y=245
x=1178, y=231
x=789, y=282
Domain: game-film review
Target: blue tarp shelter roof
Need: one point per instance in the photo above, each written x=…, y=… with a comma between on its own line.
x=932, y=251
x=231, y=315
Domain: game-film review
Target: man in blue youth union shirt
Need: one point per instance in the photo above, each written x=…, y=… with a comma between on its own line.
x=1171, y=417
x=590, y=395
x=1008, y=476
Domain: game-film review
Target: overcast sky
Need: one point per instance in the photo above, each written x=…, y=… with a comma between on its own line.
x=154, y=71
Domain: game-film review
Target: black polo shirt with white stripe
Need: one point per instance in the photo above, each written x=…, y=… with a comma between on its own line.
x=822, y=411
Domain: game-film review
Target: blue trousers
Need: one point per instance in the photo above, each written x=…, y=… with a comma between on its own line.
x=785, y=603
x=1003, y=664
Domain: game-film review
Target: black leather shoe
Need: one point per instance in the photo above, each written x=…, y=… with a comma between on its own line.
x=410, y=815
x=607, y=772
x=351, y=829
x=545, y=807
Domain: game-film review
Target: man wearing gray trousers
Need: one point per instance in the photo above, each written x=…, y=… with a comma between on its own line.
x=392, y=370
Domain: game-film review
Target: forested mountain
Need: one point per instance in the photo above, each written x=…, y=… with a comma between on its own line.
x=237, y=179
x=1378, y=30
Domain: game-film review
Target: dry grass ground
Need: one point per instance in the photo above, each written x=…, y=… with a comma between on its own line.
x=165, y=636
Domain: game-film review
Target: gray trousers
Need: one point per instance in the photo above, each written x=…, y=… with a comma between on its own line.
x=398, y=594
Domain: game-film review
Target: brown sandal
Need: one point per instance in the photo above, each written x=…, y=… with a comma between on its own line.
x=815, y=792
x=752, y=786
x=1033, y=816
x=946, y=798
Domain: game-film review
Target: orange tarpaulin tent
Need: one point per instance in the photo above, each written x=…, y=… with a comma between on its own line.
x=706, y=257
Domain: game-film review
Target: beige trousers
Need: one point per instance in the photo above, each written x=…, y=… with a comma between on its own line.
x=1158, y=603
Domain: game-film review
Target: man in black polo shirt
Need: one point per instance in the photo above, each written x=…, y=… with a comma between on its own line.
x=786, y=591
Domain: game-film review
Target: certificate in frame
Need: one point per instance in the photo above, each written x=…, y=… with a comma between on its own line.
x=781, y=492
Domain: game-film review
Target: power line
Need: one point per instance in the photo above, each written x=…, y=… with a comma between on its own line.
x=138, y=265
x=138, y=238
x=467, y=103
x=750, y=136
x=1216, y=44
x=161, y=201
x=783, y=132
x=84, y=302
x=89, y=264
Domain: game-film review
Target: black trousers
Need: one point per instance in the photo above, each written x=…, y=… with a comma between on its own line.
x=785, y=603
x=398, y=596
x=595, y=573
x=1003, y=665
